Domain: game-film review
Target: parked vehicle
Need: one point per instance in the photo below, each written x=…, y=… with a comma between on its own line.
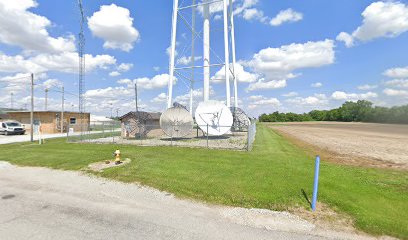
x=8, y=127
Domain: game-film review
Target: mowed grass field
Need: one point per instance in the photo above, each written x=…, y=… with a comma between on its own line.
x=271, y=176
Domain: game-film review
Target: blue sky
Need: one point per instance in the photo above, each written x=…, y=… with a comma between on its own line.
x=292, y=55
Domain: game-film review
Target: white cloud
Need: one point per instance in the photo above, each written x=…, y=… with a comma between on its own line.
x=114, y=74
x=50, y=83
x=290, y=94
x=68, y=62
x=217, y=17
x=20, y=27
x=339, y=95
x=18, y=63
x=397, y=72
x=64, y=62
x=109, y=92
x=241, y=74
x=158, y=81
x=346, y=38
x=367, y=87
x=161, y=98
x=312, y=101
x=262, y=85
x=197, y=94
x=255, y=97
x=395, y=93
x=316, y=85
x=114, y=25
x=242, y=8
x=276, y=65
x=399, y=83
x=288, y=15
x=175, y=51
x=156, y=68
x=245, y=4
x=16, y=83
x=260, y=101
x=124, y=67
x=280, y=61
x=380, y=19
x=187, y=60
x=254, y=14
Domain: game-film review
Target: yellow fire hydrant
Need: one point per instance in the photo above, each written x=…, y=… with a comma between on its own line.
x=117, y=156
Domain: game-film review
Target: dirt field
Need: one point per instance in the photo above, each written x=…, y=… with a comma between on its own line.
x=368, y=144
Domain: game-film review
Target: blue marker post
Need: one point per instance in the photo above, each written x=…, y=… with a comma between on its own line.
x=316, y=182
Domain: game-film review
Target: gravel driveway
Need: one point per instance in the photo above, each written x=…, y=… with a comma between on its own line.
x=39, y=203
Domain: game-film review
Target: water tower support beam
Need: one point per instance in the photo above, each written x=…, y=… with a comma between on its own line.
x=172, y=53
x=234, y=74
x=226, y=52
x=206, y=50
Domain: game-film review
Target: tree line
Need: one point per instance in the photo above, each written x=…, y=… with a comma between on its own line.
x=360, y=111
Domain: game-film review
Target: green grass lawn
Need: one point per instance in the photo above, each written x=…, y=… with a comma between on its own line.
x=271, y=176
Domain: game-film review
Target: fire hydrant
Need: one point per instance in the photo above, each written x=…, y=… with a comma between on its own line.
x=117, y=156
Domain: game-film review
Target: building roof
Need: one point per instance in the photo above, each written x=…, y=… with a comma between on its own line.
x=142, y=114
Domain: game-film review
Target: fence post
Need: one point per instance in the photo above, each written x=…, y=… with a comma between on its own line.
x=112, y=132
x=68, y=133
x=248, y=136
x=316, y=182
x=207, y=135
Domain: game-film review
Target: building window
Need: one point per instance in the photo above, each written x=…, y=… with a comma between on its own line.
x=72, y=120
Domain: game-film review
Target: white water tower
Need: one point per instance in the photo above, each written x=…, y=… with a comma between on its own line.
x=206, y=8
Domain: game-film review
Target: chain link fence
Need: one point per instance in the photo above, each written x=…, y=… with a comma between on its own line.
x=94, y=130
x=153, y=135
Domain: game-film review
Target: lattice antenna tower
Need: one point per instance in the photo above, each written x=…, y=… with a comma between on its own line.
x=81, y=72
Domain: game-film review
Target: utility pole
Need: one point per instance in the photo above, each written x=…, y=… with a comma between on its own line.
x=32, y=109
x=11, y=100
x=46, y=99
x=62, y=109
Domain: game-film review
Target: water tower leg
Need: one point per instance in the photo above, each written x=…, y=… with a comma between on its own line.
x=226, y=52
x=233, y=54
x=206, y=50
x=172, y=53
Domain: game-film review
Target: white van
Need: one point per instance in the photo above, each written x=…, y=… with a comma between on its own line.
x=8, y=127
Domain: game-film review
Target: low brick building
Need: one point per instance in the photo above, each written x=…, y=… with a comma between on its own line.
x=51, y=120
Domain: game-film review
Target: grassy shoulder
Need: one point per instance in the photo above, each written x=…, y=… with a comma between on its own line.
x=272, y=176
